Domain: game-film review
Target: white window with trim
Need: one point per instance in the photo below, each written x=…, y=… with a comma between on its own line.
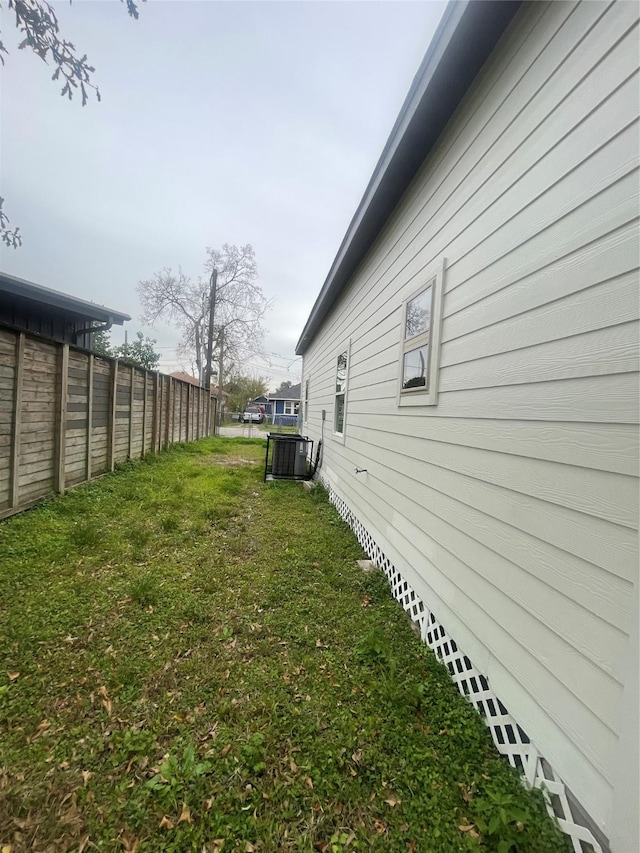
x=419, y=350
x=306, y=401
x=289, y=407
x=342, y=378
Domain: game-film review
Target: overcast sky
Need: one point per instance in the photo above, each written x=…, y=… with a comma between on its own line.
x=237, y=122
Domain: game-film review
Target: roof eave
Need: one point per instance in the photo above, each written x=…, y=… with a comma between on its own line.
x=45, y=295
x=466, y=36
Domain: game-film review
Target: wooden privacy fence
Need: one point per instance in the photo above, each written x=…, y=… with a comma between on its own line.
x=67, y=416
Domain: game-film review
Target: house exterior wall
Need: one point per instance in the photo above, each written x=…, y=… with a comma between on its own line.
x=511, y=506
x=285, y=407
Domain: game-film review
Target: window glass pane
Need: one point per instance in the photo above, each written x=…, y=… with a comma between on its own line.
x=341, y=373
x=414, y=373
x=339, y=419
x=418, y=314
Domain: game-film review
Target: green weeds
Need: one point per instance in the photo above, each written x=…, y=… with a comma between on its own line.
x=169, y=523
x=84, y=534
x=143, y=589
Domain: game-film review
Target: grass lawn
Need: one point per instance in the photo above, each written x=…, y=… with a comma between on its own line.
x=193, y=661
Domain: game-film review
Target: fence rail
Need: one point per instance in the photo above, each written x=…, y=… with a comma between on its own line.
x=67, y=416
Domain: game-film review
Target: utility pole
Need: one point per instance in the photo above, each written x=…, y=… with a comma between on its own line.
x=212, y=306
x=220, y=366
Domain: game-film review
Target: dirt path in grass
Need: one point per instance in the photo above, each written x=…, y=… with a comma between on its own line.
x=191, y=660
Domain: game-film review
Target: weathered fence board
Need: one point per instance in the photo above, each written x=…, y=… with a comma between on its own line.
x=67, y=416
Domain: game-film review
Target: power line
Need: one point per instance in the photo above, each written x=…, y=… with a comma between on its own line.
x=286, y=357
x=280, y=369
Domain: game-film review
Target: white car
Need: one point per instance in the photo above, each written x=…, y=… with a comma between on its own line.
x=252, y=415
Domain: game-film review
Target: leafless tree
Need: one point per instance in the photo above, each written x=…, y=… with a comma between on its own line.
x=238, y=312
x=419, y=315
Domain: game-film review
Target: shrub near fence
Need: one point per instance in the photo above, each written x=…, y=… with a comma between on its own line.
x=67, y=416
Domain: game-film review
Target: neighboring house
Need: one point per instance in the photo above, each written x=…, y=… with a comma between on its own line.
x=30, y=307
x=286, y=402
x=471, y=367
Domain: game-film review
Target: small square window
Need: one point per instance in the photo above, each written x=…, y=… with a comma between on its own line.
x=415, y=370
x=339, y=424
x=418, y=317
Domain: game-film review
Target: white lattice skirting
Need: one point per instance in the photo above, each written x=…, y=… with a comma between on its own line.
x=508, y=736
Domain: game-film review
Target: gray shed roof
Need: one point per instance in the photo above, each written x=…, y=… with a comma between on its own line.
x=292, y=393
x=23, y=289
x=466, y=35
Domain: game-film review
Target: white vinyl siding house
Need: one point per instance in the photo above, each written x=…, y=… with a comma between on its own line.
x=510, y=503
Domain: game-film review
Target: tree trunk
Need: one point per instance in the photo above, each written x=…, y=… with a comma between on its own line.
x=220, y=369
x=212, y=307
x=198, y=356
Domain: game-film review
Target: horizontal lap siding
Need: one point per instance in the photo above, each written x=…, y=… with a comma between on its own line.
x=512, y=505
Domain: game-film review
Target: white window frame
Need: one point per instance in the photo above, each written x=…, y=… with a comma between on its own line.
x=423, y=395
x=305, y=409
x=345, y=348
x=289, y=407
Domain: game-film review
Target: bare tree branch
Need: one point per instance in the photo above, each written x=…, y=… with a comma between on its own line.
x=239, y=310
x=37, y=23
x=10, y=238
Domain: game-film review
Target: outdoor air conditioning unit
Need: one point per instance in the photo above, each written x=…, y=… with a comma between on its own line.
x=286, y=457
